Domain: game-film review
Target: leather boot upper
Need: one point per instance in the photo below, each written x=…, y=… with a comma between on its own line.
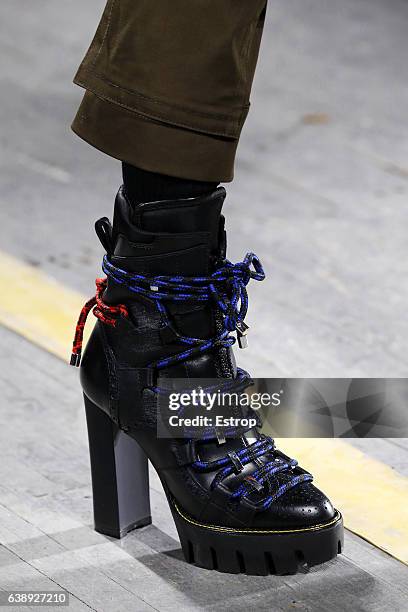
x=181, y=239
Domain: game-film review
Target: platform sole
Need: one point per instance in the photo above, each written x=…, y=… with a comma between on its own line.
x=257, y=552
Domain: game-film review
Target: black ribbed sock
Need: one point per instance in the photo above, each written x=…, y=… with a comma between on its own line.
x=144, y=186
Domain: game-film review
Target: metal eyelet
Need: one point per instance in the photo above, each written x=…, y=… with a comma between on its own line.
x=236, y=461
x=242, y=331
x=221, y=439
x=253, y=484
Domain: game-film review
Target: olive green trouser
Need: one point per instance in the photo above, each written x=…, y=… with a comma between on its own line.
x=168, y=83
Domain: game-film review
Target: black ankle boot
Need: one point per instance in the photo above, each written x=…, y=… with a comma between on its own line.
x=168, y=307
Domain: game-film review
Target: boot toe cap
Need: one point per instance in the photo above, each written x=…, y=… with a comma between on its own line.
x=301, y=507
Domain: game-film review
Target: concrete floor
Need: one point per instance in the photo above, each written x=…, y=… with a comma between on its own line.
x=320, y=195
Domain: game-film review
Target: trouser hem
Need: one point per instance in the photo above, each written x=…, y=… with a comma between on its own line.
x=154, y=145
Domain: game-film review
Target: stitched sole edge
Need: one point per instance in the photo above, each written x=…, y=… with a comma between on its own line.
x=337, y=518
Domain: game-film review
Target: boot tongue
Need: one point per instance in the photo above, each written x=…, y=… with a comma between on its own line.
x=191, y=215
x=170, y=236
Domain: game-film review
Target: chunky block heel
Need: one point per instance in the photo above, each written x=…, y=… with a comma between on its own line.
x=120, y=478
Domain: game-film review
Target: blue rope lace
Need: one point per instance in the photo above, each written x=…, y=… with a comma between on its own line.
x=264, y=446
x=226, y=288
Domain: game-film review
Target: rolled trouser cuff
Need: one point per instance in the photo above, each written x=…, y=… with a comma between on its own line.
x=153, y=145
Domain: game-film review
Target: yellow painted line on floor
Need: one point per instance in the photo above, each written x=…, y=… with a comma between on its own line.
x=39, y=308
x=372, y=497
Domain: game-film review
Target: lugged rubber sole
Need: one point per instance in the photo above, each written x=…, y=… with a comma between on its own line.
x=257, y=552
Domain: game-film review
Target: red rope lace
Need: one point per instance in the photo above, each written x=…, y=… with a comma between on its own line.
x=104, y=312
